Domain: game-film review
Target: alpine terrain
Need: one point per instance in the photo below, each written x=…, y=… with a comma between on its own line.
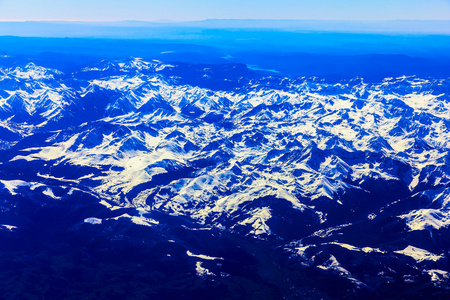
x=135, y=179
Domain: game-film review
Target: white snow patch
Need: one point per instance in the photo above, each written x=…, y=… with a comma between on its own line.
x=201, y=271
x=426, y=219
x=8, y=227
x=94, y=221
x=49, y=192
x=353, y=248
x=438, y=275
x=419, y=254
x=258, y=219
x=12, y=185
x=139, y=220
x=57, y=178
x=334, y=265
x=206, y=257
x=370, y=250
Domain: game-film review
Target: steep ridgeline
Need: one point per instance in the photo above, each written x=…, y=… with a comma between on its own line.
x=321, y=189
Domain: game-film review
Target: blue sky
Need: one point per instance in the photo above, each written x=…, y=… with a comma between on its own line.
x=185, y=10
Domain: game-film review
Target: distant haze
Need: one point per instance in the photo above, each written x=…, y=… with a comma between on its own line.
x=184, y=10
x=189, y=30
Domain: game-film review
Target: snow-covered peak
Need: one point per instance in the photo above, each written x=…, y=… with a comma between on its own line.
x=34, y=72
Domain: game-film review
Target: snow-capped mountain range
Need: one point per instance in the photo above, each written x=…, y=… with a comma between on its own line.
x=346, y=180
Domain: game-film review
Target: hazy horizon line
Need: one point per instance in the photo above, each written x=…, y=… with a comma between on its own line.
x=227, y=19
x=136, y=28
